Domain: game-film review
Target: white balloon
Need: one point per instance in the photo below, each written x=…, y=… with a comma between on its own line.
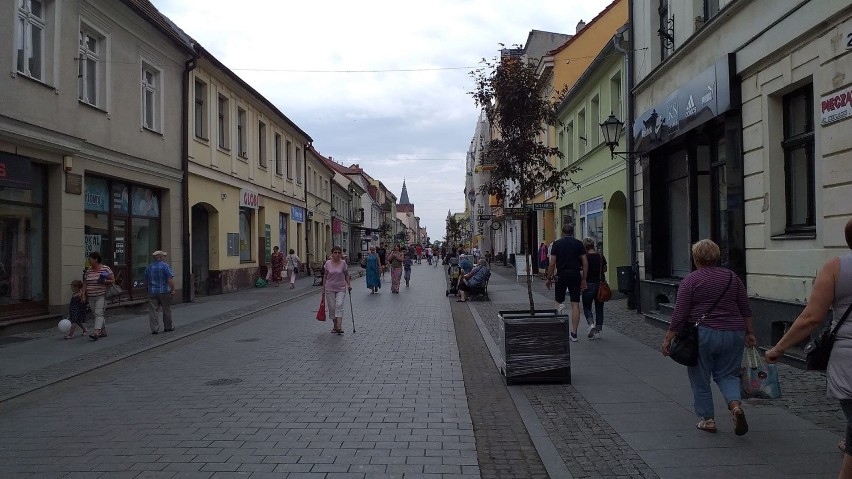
x=65, y=325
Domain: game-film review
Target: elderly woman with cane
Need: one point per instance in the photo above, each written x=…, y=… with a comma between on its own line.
x=336, y=283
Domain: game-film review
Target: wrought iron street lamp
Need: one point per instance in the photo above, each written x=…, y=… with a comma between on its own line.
x=612, y=129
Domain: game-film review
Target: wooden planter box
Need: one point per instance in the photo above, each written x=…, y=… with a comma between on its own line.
x=535, y=348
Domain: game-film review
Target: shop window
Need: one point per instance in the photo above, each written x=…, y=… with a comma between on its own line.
x=798, y=148
x=591, y=222
x=245, y=234
x=144, y=240
x=146, y=202
x=22, y=225
x=678, y=206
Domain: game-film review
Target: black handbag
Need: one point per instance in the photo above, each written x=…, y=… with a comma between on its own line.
x=684, y=346
x=818, y=350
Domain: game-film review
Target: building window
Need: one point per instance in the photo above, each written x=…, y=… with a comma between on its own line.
x=151, y=97
x=711, y=8
x=200, y=109
x=277, y=154
x=241, y=133
x=90, y=68
x=298, y=165
x=798, y=148
x=594, y=121
x=582, y=141
x=29, y=38
x=223, y=109
x=245, y=234
x=261, y=144
x=288, y=158
x=615, y=96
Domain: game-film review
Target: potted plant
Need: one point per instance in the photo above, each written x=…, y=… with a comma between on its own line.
x=509, y=90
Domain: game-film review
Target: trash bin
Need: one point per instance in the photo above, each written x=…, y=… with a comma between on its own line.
x=625, y=279
x=512, y=259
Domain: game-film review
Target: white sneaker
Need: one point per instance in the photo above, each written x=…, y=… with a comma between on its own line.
x=591, y=334
x=598, y=334
x=573, y=337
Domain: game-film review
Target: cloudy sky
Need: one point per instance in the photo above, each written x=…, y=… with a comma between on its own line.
x=380, y=83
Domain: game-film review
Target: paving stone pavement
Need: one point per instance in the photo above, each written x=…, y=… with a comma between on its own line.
x=253, y=386
x=276, y=396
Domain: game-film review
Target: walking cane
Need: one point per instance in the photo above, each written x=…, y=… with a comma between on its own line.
x=351, y=310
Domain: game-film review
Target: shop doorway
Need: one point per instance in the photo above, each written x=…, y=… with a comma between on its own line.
x=200, y=249
x=120, y=263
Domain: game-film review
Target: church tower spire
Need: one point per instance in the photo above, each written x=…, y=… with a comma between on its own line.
x=403, y=198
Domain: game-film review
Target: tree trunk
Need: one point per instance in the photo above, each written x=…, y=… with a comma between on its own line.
x=524, y=241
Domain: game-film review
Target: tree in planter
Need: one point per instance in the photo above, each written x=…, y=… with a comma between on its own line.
x=510, y=92
x=454, y=230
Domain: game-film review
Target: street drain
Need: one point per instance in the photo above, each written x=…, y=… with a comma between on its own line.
x=223, y=382
x=249, y=340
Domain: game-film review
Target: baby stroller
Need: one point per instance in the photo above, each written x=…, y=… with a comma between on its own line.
x=454, y=274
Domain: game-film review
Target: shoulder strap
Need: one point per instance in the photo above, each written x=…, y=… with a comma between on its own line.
x=842, y=319
x=601, y=268
x=716, y=303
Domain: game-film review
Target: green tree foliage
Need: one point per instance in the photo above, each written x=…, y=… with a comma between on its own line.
x=520, y=111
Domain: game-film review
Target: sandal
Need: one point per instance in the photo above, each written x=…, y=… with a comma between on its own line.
x=68, y=336
x=708, y=425
x=740, y=424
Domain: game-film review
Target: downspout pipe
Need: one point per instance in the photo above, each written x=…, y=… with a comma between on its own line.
x=187, y=286
x=631, y=162
x=305, y=191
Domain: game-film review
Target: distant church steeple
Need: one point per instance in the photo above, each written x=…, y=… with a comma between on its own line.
x=403, y=198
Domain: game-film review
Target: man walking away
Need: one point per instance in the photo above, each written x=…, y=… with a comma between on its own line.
x=568, y=259
x=161, y=289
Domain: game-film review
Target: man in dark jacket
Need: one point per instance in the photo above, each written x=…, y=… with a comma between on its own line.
x=568, y=260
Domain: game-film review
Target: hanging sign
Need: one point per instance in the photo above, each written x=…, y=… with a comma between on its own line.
x=298, y=214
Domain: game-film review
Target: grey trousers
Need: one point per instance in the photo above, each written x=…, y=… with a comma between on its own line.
x=160, y=301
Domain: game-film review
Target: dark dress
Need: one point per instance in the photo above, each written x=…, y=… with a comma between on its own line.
x=277, y=260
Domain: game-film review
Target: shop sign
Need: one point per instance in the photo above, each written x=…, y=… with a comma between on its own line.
x=96, y=197
x=298, y=214
x=336, y=227
x=15, y=172
x=703, y=97
x=836, y=106
x=249, y=199
x=543, y=206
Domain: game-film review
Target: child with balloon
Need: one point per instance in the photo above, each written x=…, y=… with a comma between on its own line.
x=77, y=313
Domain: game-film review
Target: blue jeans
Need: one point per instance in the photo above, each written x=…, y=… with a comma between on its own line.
x=720, y=354
x=589, y=296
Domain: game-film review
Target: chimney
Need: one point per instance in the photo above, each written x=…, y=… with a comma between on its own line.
x=580, y=25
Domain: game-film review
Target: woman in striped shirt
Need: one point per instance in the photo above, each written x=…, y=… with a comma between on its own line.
x=723, y=332
x=96, y=279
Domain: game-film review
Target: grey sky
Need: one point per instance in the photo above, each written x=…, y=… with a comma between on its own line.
x=379, y=83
